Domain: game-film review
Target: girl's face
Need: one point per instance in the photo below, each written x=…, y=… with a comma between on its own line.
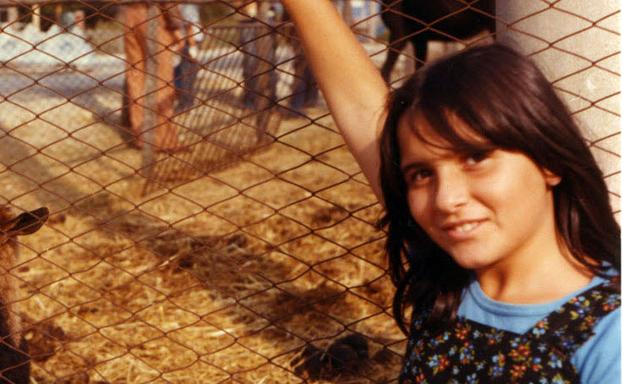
x=491, y=209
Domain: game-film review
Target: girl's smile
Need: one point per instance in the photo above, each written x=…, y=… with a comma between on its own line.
x=490, y=210
x=462, y=230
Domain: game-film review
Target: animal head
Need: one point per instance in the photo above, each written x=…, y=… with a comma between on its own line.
x=23, y=224
x=14, y=360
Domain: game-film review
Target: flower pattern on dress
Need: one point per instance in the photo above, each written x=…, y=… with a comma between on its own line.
x=469, y=352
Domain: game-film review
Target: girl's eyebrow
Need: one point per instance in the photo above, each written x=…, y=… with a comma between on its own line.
x=427, y=158
x=413, y=165
x=448, y=153
x=426, y=162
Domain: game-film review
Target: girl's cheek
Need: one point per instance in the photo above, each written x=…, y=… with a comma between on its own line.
x=418, y=204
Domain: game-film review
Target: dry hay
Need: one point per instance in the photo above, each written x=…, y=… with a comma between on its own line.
x=224, y=279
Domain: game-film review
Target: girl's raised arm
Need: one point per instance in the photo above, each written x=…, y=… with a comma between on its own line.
x=351, y=84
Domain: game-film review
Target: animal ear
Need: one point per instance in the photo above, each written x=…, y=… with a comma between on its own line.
x=26, y=223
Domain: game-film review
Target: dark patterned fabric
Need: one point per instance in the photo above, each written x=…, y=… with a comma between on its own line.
x=470, y=353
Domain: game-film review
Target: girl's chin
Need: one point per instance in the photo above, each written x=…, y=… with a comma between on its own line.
x=474, y=263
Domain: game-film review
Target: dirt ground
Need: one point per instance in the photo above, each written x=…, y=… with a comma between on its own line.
x=225, y=278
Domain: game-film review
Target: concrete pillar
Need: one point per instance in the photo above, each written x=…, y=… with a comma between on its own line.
x=577, y=46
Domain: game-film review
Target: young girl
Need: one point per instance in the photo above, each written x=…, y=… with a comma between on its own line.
x=501, y=240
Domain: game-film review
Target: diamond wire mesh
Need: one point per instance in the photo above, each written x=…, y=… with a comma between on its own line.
x=231, y=258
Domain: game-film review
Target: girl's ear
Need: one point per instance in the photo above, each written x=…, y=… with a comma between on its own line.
x=551, y=179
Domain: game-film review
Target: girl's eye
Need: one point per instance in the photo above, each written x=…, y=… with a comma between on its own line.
x=418, y=176
x=476, y=157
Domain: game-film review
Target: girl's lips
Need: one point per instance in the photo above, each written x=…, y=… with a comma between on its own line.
x=462, y=230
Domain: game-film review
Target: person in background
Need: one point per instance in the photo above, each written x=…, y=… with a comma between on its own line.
x=259, y=51
x=304, y=92
x=185, y=72
x=168, y=41
x=192, y=19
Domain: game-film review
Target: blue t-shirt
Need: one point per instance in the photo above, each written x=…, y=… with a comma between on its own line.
x=597, y=361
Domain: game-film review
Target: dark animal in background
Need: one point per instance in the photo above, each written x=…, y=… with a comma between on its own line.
x=420, y=21
x=96, y=11
x=14, y=358
x=345, y=355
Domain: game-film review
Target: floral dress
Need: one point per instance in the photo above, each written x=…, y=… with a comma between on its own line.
x=468, y=352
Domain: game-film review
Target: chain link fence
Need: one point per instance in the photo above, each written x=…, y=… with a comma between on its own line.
x=249, y=248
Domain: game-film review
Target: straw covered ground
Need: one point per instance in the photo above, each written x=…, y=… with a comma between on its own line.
x=222, y=279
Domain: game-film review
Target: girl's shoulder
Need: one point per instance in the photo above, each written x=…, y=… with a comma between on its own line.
x=584, y=327
x=598, y=360
x=590, y=316
x=519, y=318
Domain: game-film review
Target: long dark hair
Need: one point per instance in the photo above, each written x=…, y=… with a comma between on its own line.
x=503, y=97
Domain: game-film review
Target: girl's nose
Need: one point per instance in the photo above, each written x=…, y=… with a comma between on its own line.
x=452, y=191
